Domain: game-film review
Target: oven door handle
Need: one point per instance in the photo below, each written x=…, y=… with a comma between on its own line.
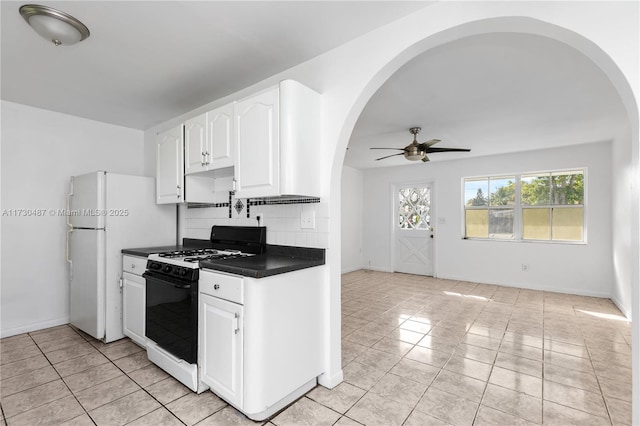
x=161, y=279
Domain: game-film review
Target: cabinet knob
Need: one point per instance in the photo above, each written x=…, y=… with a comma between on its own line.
x=133, y=266
x=216, y=286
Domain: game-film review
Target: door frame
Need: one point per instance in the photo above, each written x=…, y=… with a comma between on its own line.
x=395, y=187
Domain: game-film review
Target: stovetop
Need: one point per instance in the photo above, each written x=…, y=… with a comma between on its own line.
x=226, y=242
x=190, y=258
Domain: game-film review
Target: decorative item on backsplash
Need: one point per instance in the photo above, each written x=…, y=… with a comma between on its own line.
x=238, y=206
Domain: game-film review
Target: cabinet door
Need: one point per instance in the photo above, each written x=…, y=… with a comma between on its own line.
x=257, y=126
x=219, y=147
x=220, y=347
x=195, y=140
x=170, y=167
x=133, y=307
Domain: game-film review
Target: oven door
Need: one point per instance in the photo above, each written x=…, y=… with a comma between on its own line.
x=172, y=315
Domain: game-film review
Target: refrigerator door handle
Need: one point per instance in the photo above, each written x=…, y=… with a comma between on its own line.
x=69, y=231
x=68, y=257
x=68, y=212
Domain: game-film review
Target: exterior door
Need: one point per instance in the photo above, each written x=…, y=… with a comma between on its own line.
x=413, y=232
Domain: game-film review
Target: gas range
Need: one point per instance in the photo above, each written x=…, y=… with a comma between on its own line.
x=226, y=242
x=190, y=258
x=171, y=297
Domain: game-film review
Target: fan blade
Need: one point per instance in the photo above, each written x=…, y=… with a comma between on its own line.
x=429, y=143
x=399, y=149
x=447, y=150
x=392, y=155
x=425, y=158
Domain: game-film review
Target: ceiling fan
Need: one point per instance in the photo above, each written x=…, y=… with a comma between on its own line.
x=418, y=151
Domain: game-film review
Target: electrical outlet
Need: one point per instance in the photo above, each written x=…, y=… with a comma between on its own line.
x=308, y=220
x=525, y=267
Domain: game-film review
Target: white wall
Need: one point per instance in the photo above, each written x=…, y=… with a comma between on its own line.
x=580, y=269
x=41, y=150
x=623, y=182
x=351, y=219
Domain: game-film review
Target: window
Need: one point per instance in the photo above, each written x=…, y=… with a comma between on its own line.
x=546, y=206
x=489, y=207
x=414, y=208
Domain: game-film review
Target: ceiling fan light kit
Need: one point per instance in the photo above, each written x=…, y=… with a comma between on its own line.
x=54, y=25
x=418, y=151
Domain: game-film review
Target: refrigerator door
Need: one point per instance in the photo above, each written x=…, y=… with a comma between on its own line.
x=87, y=270
x=87, y=201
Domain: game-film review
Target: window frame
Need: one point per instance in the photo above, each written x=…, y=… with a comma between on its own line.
x=518, y=207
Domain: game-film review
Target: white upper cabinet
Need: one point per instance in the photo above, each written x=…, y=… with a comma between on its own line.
x=269, y=142
x=208, y=140
x=170, y=166
x=277, y=134
x=257, y=145
x=219, y=149
x=195, y=144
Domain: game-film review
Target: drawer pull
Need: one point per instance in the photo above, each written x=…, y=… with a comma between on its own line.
x=216, y=286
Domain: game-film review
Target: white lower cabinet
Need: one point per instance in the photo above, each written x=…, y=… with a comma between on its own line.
x=221, y=347
x=260, y=340
x=133, y=299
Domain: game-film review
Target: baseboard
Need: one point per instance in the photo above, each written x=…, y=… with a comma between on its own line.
x=33, y=327
x=577, y=292
x=331, y=381
x=362, y=268
x=625, y=311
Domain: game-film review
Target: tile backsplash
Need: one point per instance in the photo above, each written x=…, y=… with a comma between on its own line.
x=283, y=222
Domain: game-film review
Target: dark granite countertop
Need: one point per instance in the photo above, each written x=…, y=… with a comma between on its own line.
x=276, y=260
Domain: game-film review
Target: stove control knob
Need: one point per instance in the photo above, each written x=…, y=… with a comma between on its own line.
x=183, y=271
x=167, y=268
x=156, y=266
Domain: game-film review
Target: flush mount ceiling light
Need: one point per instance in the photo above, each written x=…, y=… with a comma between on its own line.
x=54, y=25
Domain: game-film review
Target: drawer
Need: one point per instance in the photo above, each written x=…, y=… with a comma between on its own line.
x=134, y=264
x=228, y=287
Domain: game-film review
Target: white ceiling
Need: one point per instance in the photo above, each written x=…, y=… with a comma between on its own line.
x=148, y=61
x=494, y=93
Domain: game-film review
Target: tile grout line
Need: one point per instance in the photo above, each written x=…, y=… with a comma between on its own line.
x=606, y=404
x=486, y=385
x=58, y=373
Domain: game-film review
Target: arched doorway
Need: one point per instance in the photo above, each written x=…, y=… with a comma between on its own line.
x=627, y=259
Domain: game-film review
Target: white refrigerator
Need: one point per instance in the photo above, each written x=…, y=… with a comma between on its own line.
x=107, y=212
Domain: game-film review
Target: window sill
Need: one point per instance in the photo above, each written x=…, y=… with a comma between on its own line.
x=507, y=240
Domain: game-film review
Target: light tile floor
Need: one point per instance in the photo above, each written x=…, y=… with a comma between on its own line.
x=416, y=351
